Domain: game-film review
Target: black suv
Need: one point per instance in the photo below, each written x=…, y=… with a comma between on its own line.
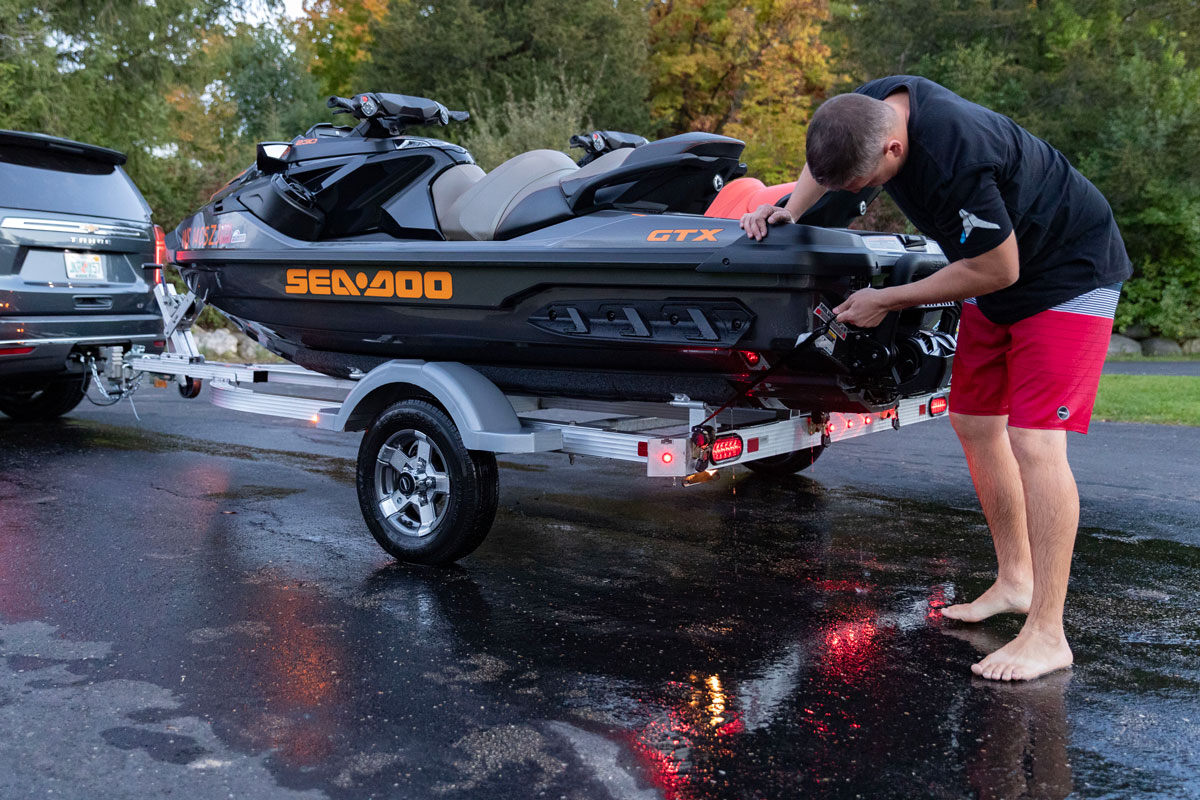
x=74, y=234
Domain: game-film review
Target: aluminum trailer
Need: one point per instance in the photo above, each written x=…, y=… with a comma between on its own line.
x=427, y=479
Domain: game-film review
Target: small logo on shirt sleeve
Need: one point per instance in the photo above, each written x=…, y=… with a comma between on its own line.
x=971, y=222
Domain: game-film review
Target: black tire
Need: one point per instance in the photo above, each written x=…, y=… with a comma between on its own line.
x=50, y=402
x=438, y=506
x=788, y=463
x=190, y=388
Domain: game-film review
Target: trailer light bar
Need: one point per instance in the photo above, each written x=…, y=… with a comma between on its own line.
x=726, y=447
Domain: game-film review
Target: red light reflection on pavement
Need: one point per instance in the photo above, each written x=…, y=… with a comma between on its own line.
x=303, y=668
x=681, y=743
x=665, y=744
x=937, y=601
x=19, y=595
x=849, y=649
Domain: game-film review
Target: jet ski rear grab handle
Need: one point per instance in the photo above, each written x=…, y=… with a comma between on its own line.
x=673, y=439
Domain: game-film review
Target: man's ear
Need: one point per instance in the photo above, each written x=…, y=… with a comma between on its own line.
x=894, y=148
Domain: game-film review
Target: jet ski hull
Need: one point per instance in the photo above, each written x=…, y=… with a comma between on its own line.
x=612, y=305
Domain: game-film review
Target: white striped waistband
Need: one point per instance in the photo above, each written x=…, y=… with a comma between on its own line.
x=1100, y=302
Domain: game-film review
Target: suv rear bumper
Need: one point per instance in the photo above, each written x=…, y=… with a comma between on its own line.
x=54, y=338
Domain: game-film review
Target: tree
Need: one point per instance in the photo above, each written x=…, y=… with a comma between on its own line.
x=545, y=120
x=751, y=70
x=338, y=37
x=1113, y=84
x=99, y=72
x=472, y=53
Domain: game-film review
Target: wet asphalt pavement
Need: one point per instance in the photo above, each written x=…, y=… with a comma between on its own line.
x=1148, y=367
x=191, y=605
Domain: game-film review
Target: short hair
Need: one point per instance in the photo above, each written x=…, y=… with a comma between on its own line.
x=846, y=137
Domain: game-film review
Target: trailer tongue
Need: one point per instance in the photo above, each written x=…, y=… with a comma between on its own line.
x=426, y=474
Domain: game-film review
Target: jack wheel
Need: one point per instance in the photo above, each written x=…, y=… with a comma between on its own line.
x=190, y=388
x=426, y=498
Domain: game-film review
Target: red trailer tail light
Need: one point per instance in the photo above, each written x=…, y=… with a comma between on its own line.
x=15, y=351
x=752, y=358
x=726, y=447
x=937, y=405
x=667, y=458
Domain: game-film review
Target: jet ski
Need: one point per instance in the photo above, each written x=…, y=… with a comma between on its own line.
x=350, y=246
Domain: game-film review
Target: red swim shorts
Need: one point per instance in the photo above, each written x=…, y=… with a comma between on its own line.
x=1043, y=371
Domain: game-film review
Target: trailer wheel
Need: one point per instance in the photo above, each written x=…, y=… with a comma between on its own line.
x=50, y=402
x=190, y=387
x=786, y=464
x=426, y=498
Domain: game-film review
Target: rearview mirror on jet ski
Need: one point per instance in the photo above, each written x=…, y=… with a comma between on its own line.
x=270, y=157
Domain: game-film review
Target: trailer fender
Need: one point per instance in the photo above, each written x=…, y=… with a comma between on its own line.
x=483, y=415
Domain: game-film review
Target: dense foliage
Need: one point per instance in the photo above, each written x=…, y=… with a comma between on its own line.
x=752, y=70
x=186, y=87
x=1114, y=84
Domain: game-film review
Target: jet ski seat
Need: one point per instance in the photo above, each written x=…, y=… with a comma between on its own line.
x=479, y=210
x=610, y=160
x=449, y=186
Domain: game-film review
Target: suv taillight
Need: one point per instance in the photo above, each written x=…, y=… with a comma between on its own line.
x=160, y=252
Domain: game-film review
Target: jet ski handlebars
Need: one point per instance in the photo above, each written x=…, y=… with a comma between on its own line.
x=383, y=114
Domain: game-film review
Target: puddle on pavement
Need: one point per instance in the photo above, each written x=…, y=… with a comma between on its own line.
x=74, y=435
x=748, y=638
x=253, y=492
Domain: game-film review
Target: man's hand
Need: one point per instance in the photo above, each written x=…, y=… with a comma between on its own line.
x=755, y=223
x=866, y=308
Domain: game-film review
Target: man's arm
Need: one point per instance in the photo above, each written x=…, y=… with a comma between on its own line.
x=970, y=277
x=804, y=195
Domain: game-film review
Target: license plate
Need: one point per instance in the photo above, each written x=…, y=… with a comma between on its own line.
x=84, y=266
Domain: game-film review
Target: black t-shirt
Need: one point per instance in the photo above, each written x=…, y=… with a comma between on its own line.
x=973, y=176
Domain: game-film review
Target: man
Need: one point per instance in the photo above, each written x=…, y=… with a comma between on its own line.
x=1037, y=258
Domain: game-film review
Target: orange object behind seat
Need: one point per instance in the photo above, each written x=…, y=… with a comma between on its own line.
x=731, y=201
x=744, y=195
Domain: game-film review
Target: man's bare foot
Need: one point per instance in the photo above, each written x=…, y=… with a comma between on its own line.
x=1030, y=655
x=1000, y=598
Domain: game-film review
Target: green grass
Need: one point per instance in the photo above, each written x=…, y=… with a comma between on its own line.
x=1168, y=399
x=1130, y=357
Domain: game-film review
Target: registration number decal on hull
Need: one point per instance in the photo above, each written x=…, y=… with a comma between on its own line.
x=403, y=284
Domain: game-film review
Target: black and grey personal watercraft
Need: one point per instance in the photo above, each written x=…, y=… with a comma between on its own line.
x=349, y=246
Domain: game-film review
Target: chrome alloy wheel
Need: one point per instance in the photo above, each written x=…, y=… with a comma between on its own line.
x=411, y=484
